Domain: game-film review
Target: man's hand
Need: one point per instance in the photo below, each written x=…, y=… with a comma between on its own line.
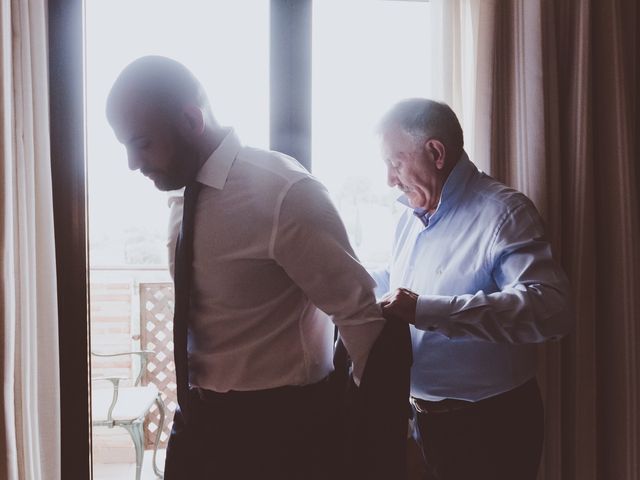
x=400, y=305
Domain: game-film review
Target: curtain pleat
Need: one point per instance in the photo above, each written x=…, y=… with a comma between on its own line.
x=30, y=435
x=617, y=281
x=556, y=118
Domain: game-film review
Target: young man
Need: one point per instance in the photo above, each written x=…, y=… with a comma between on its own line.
x=263, y=265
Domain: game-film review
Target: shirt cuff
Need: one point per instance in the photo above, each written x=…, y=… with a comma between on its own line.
x=433, y=313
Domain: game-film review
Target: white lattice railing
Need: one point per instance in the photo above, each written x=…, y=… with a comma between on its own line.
x=132, y=309
x=156, y=334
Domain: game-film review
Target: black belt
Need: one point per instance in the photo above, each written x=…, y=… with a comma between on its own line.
x=449, y=405
x=253, y=395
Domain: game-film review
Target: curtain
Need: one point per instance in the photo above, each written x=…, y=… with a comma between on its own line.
x=29, y=420
x=555, y=116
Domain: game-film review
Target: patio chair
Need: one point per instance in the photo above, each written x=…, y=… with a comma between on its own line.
x=127, y=407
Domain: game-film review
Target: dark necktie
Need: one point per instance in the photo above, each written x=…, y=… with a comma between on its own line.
x=182, y=283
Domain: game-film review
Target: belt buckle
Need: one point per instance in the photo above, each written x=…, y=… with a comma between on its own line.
x=416, y=405
x=443, y=408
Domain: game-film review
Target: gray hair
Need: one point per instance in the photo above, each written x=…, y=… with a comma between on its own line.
x=423, y=118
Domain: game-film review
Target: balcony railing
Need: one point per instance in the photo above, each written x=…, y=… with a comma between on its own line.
x=132, y=309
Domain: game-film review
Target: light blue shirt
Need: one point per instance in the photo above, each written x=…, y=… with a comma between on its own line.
x=488, y=287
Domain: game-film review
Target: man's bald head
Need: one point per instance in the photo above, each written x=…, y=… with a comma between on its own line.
x=158, y=110
x=159, y=81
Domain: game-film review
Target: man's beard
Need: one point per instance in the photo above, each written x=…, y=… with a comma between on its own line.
x=184, y=167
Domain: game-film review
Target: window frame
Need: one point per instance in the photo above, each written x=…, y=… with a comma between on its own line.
x=290, y=133
x=68, y=175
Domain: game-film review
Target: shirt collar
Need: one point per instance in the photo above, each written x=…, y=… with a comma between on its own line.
x=454, y=185
x=451, y=191
x=215, y=170
x=422, y=215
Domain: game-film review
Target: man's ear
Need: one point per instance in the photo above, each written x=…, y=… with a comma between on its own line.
x=192, y=121
x=437, y=150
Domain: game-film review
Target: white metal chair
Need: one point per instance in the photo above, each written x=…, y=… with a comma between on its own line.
x=127, y=407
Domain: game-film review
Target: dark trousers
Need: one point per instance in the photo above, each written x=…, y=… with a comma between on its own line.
x=499, y=438
x=282, y=433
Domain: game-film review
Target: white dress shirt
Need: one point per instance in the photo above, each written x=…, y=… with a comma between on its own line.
x=272, y=268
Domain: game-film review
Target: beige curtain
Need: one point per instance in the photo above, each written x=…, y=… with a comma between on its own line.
x=557, y=117
x=29, y=401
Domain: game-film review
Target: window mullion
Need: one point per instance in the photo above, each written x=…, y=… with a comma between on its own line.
x=290, y=78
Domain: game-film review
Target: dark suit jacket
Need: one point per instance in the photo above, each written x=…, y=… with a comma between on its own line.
x=376, y=414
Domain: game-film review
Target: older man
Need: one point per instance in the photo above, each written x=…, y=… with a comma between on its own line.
x=262, y=266
x=473, y=273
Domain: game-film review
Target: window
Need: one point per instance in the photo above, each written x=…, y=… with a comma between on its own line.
x=366, y=56
x=228, y=51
